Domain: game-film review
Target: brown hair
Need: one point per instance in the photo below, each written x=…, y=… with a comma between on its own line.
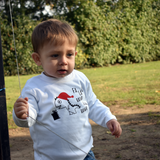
x=52, y=31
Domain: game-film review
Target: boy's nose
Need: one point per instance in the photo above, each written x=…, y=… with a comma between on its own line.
x=63, y=60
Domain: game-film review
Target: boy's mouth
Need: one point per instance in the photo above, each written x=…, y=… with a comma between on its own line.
x=62, y=71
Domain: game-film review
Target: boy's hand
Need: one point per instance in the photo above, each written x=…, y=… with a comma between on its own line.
x=21, y=108
x=114, y=127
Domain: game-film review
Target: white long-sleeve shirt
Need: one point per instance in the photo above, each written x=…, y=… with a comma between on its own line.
x=64, y=105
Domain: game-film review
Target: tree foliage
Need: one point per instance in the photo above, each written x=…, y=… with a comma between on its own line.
x=23, y=28
x=139, y=31
x=63, y=7
x=110, y=32
x=23, y=50
x=31, y=8
x=125, y=32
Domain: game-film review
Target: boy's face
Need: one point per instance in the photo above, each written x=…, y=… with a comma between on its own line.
x=57, y=61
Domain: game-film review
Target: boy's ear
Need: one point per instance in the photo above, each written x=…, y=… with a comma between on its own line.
x=36, y=58
x=75, y=53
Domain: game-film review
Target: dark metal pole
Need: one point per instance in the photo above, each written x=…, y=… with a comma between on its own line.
x=4, y=136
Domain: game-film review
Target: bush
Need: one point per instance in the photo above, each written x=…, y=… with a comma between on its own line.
x=81, y=59
x=138, y=28
x=122, y=32
x=91, y=25
x=128, y=33
x=23, y=28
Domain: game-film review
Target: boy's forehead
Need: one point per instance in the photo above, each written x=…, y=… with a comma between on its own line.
x=65, y=43
x=52, y=47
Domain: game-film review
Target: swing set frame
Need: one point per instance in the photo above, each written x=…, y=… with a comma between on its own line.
x=4, y=135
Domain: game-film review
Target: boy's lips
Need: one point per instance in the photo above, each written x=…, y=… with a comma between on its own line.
x=62, y=71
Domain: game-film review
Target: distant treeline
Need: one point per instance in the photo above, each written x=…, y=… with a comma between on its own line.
x=109, y=32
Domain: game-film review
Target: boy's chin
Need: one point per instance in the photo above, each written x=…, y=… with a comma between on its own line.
x=48, y=75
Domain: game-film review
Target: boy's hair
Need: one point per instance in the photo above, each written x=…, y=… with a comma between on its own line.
x=52, y=31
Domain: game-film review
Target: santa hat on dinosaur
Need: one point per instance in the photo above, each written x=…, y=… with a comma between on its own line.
x=64, y=96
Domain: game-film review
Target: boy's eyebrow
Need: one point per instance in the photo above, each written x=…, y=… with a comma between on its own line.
x=71, y=50
x=54, y=51
x=57, y=51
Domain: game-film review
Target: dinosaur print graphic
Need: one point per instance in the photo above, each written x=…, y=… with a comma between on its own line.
x=62, y=101
x=70, y=103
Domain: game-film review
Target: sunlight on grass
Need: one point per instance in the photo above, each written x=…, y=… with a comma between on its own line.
x=125, y=85
x=133, y=84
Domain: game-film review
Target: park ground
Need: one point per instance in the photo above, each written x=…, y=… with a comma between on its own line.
x=140, y=139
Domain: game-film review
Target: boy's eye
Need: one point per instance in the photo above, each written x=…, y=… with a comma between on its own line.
x=54, y=55
x=69, y=54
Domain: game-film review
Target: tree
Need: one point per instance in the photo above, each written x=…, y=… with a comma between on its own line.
x=62, y=7
x=33, y=9
x=23, y=29
x=139, y=26
x=95, y=34
x=127, y=33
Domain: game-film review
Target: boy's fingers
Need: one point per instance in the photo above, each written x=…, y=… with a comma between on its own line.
x=19, y=104
x=113, y=128
x=23, y=108
x=110, y=127
x=21, y=113
x=26, y=98
x=118, y=132
x=116, y=129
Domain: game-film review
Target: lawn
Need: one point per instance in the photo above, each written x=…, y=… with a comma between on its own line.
x=126, y=85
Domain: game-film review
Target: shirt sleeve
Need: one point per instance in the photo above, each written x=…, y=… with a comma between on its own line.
x=19, y=122
x=99, y=113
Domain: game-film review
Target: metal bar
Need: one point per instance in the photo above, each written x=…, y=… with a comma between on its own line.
x=4, y=136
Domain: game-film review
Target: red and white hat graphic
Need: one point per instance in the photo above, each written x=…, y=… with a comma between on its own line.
x=64, y=96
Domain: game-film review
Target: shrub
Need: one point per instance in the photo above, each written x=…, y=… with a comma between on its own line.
x=128, y=33
x=23, y=28
x=81, y=59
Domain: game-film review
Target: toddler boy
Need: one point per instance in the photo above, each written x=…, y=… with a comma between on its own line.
x=61, y=98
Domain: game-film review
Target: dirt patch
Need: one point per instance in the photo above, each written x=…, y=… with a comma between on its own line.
x=140, y=139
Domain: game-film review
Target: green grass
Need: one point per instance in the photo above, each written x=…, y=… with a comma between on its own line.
x=125, y=85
